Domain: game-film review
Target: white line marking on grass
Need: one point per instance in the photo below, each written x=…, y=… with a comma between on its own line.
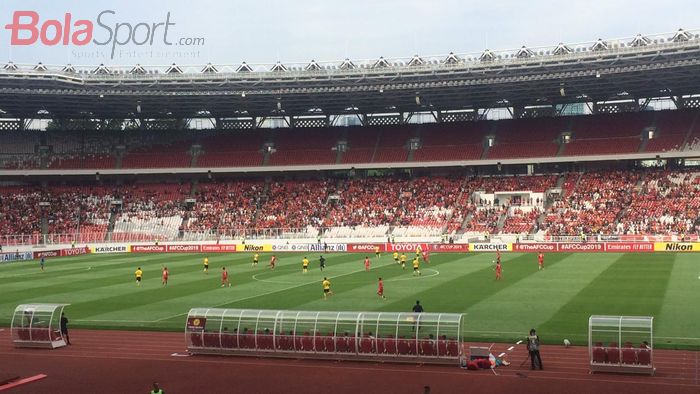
x=435, y=273
x=502, y=333
x=113, y=321
x=267, y=293
x=279, y=282
x=180, y=354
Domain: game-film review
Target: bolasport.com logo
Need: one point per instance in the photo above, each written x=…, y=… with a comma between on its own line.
x=106, y=31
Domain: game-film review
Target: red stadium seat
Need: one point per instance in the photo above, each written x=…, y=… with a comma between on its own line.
x=319, y=343
x=402, y=347
x=599, y=355
x=211, y=340
x=307, y=343
x=644, y=357
x=453, y=348
x=629, y=356
x=229, y=340
x=390, y=346
x=329, y=343
x=613, y=355
x=427, y=347
x=366, y=345
x=196, y=339
x=341, y=345
x=246, y=341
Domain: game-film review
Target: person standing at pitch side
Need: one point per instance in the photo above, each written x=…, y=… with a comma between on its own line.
x=533, y=346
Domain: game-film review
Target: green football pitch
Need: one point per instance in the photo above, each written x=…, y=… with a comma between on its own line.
x=557, y=302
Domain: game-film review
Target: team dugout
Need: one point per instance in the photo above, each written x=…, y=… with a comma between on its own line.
x=410, y=337
x=37, y=325
x=621, y=344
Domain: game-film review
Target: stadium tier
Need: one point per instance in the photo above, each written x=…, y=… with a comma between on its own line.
x=645, y=202
x=566, y=137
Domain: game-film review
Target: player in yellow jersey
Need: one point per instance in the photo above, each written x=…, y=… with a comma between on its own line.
x=305, y=265
x=403, y=260
x=376, y=251
x=255, y=260
x=396, y=257
x=418, y=250
x=326, y=288
x=206, y=265
x=416, y=264
x=138, y=274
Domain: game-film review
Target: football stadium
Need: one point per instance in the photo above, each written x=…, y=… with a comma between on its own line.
x=410, y=224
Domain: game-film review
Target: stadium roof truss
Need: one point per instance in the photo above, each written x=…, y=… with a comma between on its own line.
x=634, y=68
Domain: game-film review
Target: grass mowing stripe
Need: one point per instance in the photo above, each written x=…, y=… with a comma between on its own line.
x=204, y=292
x=77, y=282
x=676, y=319
x=468, y=289
x=535, y=299
x=634, y=285
x=243, y=302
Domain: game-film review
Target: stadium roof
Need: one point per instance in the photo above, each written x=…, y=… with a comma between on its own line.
x=638, y=67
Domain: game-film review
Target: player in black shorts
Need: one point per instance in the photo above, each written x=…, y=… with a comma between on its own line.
x=322, y=262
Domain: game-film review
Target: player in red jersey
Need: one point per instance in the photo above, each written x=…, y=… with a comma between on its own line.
x=426, y=257
x=367, y=263
x=499, y=270
x=273, y=261
x=498, y=255
x=540, y=260
x=165, y=276
x=380, y=289
x=224, y=277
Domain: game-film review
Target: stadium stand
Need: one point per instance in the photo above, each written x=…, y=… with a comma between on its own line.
x=667, y=202
x=460, y=141
x=592, y=204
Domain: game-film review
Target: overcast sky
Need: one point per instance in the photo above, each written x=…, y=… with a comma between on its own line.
x=264, y=31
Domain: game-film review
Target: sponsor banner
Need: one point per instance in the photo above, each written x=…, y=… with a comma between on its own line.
x=288, y=248
x=75, y=251
x=366, y=248
x=256, y=248
x=406, y=247
x=449, y=248
x=183, y=248
x=677, y=247
x=535, y=247
x=147, y=248
x=196, y=323
x=111, y=249
x=582, y=247
x=47, y=253
x=629, y=247
x=218, y=248
x=19, y=256
x=490, y=247
x=328, y=247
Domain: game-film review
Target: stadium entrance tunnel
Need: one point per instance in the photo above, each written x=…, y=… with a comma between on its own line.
x=433, y=338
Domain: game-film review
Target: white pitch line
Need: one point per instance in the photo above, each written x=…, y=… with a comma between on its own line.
x=500, y=333
x=113, y=321
x=264, y=294
x=436, y=273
